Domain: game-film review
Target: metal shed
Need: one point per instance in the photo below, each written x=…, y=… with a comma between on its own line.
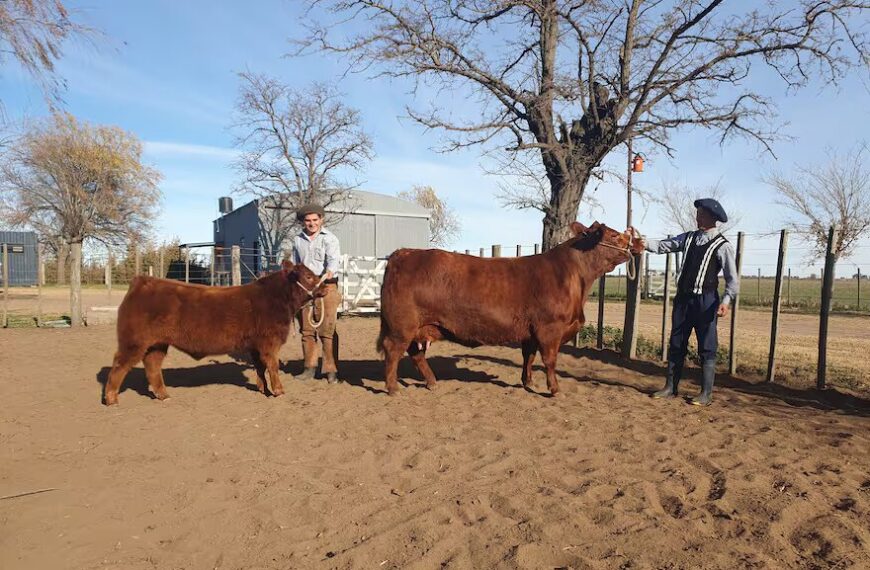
x=367, y=224
x=21, y=247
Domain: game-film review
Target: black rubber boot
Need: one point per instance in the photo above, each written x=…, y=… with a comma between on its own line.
x=307, y=374
x=706, y=395
x=672, y=382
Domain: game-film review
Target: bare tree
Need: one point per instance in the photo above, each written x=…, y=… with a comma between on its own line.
x=834, y=193
x=678, y=205
x=70, y=180
x=33, y=33
x=297, y=146
x=444, y=225
x=575, y=79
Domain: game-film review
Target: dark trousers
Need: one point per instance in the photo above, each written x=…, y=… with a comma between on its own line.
x=696, y=312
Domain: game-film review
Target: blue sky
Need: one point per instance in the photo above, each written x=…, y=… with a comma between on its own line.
x=167, y=73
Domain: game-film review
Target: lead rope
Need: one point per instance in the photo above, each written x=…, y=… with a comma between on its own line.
x=313, y=302
x=630, y=265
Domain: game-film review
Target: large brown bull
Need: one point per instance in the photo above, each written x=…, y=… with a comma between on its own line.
x=201, y=321
x=535, y=301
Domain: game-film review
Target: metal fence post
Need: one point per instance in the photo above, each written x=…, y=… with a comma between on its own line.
x=211, y=269
x=859, y=288
x=519, y=250
x=537, y=248
x=5, y=286
x=236, y=260
x=666, y=298
x=108, y=277
x=481, y=252
x=824, y=312
x=735, y=305
x=187, y=265
x=496, y=251
x=777, y=298
x=40, y=280
x=601, y=286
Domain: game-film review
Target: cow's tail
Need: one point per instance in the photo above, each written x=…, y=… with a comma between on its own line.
x=379, y=344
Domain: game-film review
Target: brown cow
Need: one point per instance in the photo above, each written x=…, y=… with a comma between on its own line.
x=201, y=321
x=535, y=301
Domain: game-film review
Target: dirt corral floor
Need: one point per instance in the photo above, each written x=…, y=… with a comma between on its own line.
x=478, y=474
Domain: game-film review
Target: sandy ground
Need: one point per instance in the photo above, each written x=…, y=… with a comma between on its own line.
x=478, y=474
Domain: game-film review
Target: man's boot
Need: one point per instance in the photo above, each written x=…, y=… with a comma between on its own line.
x=673, y=380
x=307, y=374
x=706, y=395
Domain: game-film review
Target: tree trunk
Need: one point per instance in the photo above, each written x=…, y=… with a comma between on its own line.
x=62, y=253
x=566, y=192
x=75, y=283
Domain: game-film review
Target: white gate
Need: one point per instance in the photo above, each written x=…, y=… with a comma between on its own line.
x=361, y=280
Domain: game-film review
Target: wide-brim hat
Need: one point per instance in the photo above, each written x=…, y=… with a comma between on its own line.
x=310, y=208
x=714, y=207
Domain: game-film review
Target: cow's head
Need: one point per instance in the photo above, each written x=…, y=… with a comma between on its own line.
x=300, y=276
x=619, y=246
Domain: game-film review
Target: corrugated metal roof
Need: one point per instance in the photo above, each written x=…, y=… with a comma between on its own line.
x=364, y=202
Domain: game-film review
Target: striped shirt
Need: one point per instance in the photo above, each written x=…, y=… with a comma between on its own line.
x=319, y=253
x=724, y=254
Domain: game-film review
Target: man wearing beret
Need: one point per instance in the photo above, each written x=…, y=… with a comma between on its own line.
x=318, y=249
x=697, y=304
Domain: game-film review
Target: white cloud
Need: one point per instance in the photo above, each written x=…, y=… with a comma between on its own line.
x=173, y=149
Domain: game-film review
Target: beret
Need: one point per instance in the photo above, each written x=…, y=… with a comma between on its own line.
x=713, y=207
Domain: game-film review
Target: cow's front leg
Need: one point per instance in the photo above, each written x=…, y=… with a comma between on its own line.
x=260, y=367
x=549, y=351
x=269, y=357
x=529, y=346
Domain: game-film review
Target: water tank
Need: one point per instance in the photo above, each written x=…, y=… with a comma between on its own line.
x=225, y=204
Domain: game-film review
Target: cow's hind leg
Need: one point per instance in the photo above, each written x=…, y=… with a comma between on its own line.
x=392, y=354
x=418, y=355
x=153, y=370
x=125, y=359
x=529, y=348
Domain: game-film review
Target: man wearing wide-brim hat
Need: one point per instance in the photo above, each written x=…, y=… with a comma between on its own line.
x=318, y=249
x=697, y=305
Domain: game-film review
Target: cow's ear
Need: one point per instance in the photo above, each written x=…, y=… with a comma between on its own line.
x=577, y=228
x=287, y=265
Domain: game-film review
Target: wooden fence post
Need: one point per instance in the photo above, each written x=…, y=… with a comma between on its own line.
x=601, y=285
x=859, y=288
x=481, y=252
x=137, y=264
x=666, y=298
x=5, y=286
x=735, y=305
x=632, y=310
x=496, y=251
x=788, y=289
x=646, y=277
x=519, y=250
x=150, y=271
x=537, y=248
x=187, y=265
x=40, y=266
x=777, y=298
x=160, y=263
x=824, y=313
x=467, y=252
x=236, y=260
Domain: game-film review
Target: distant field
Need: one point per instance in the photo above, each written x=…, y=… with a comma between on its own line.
x=796, y=293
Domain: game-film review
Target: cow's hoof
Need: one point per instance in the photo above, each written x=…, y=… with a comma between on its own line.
x=110, y=399
x=332, y=378
x=278, y=392
x=431, y=386
x=161, y=395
